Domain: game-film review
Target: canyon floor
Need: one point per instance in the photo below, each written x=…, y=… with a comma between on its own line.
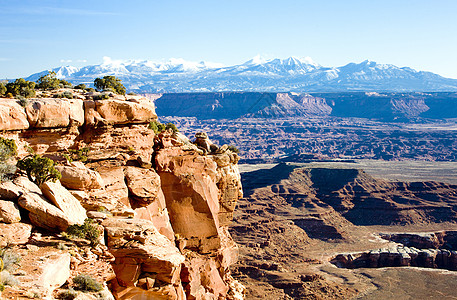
x=296, y=218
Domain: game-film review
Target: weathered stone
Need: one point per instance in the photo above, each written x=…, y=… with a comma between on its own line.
x=107, y=141
x=50, y=113
x=96, y=215
x=9, y=191
x=143, y=185
x=65, y=201
x=157, y=213
x=56, y=271
x=139, y=248
x=14, y=234
x=9, y=212
x=113, y=111
x=78, y=177
x=12, y=115
x=43, y=214
x=202, y=141
x=115, y=194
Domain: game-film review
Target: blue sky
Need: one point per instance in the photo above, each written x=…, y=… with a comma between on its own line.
x=38, y=35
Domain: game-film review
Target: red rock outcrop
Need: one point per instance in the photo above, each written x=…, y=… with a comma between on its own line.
x=164, y=204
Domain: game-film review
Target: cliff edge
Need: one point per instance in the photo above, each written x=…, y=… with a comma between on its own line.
x=163, y=203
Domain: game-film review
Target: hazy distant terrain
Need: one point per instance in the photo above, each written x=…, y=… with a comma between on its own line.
x=263, y=140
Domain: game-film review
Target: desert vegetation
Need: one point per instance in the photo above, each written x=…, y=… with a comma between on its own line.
x=39, y=169
x=8, y=149
x=110, y=83
x=88, y=231
x=22, y=89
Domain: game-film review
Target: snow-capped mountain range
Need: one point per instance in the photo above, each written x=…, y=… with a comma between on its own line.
x=257, y=75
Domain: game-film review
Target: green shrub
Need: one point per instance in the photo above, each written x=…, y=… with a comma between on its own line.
x=89, y=231
x=69, y=294
x=21, y=87
x=10, y=260
x=8, y=149
x=101, y=97
x=172, y=127
x=51, y=82
x=87, y=283
x=80, y=86
x=90, y=90
x=131, y=94
x=156, y=126
x=2, y=89
x=233, y=149
x=6, y=278
x=66, y=94
x=109, y=82
x=39, y=169
x=78, y=154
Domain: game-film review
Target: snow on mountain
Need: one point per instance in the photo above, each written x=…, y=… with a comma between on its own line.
x=258, y=74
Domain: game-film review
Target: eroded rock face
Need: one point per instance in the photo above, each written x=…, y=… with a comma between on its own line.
x=14, y=234
x=201, y=193
x=163, y=203
x=110, y=112
x=142, y=252
x=12, y=115
x=49, y=113
x=78, y=177
x=9, y=212
x=65, y=201
x=143, y=185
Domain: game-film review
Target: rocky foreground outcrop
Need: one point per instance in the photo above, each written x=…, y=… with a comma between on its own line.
x=163, y=202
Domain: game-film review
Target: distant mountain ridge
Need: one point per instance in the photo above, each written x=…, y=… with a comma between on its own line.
x=257, y=75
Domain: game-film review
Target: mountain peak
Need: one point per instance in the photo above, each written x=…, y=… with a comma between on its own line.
x=296, y=74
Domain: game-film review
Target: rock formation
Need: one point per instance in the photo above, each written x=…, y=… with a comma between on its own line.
x=163, y=204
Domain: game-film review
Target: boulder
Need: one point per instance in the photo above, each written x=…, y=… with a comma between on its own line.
x=9, y=191
x=14, y=234
x=115, y=194
x=51, y=113
x=203, y=142
x=77, y=176
x=55, y=272
x=9, y=212
x=12, y=115
x=43, y=214
x=112, y=112
x=139, y=249
x=65, y=201
x=143, y=185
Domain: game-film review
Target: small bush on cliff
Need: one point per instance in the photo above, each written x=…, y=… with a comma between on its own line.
x=156, y=126
x=85, y=282
x=39, y=169
x=8, y=149
x=101, y=97
x=79, y=154
x=69, y=294
x=110, y=82
x=233, y=149
x=51, y=82
x=2, y=89
x=172, y=127
x=10, y=260
x=21, y=87
x=80, y=86
x=88, y=231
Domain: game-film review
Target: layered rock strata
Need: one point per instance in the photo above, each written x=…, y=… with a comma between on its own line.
x=163, y=203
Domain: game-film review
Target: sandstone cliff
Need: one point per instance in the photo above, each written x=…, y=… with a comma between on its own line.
x=163, y=202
